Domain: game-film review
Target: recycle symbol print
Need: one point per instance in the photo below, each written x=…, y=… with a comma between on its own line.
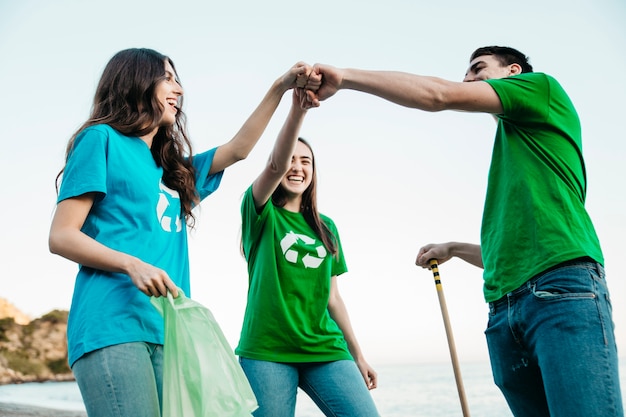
x=166, y=209
x=291, y=255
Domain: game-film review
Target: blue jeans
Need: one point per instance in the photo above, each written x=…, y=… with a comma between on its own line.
x=552, y=345
x=121, y=380
x=336, y=387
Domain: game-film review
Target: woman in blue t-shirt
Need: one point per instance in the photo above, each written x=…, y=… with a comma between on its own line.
x=126, y=196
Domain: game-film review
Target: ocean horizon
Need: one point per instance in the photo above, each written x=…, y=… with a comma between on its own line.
x=404, y=389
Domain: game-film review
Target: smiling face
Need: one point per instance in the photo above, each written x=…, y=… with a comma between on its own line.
x=168, y=91
x=300, y=175
x=487, y=67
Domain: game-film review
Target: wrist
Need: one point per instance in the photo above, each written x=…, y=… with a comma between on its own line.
x=128, y=264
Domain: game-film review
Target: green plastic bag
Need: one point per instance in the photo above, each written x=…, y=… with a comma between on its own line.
x=201, y=375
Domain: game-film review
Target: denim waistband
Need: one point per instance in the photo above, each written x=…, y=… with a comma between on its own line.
x=584, y=261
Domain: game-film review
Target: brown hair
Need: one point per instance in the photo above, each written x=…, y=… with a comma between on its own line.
x=125, y=100
x=308, y=208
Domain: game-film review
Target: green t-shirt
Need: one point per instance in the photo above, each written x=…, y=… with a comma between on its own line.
x=534, y=216
x=289, y=276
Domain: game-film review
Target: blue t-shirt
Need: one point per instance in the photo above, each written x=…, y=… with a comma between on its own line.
x=134, y=213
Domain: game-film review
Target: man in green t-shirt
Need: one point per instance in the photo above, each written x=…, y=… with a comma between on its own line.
x=550, y=333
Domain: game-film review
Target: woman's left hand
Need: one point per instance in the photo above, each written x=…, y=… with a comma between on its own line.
x=369, y=374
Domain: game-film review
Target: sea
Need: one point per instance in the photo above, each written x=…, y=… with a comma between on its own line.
x=418, y=389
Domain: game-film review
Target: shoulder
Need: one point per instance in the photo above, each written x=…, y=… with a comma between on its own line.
x=534, y=84
x=528, y=81
x=329, y=222
x=95, y=132
x=525, y=78
x=102, y=129
x=326, y=218
x=249, y=208
x=525, y=94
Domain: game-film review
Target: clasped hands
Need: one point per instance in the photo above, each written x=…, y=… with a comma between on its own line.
x=307, y=86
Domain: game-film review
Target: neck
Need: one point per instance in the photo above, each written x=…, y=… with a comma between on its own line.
x=149, y=137
x=293, y=204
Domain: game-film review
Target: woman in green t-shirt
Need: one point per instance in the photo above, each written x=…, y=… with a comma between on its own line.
x=296, y=330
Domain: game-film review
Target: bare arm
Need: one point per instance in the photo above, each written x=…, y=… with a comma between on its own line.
x=442, y=252
x=66, y=239
x=339, y=313
x=411, y=90
x=240, y=146
x=280, y=159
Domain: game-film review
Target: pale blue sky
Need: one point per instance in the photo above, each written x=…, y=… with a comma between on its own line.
x=392, y=178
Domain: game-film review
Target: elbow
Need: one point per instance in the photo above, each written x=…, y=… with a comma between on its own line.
x=53, y=244
x=277, y=166
x=233, y=155
x=432, y=104
x=438, y=106
x=437, y=98
x=437, y=103
x=333, y=302
x=240, y=153
x=56, y=243
x=240, y=156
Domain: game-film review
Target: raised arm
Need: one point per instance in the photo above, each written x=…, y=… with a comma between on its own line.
x=241, y=144
x=410, y=90
x=339, y=313
x=66, y=239
x=280, y=159
x=442, y=252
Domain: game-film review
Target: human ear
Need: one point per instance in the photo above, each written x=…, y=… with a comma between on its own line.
x=515, y=69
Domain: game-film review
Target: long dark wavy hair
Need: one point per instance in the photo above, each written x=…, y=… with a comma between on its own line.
x=308, y=207
x=125, y=100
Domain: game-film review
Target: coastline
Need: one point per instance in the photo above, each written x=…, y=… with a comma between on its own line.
x=20, y=410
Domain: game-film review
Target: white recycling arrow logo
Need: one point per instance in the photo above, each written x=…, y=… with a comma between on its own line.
x=291, y=255
x=166, y=212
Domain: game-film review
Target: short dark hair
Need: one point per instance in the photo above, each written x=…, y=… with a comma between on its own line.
x=505, y=55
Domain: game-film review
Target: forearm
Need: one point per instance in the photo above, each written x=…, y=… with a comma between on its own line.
x=67, y=239
x=82, y=249
x=280, y=158
x=410, y=90
x=240, y=146
x=419, y=91
x=255, y=125
x=339, y=313
x=469, y=252
x=443, y=252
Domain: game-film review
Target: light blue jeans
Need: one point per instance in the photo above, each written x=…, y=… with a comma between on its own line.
x=552, y=345
x=122, y=380
x=336, y=387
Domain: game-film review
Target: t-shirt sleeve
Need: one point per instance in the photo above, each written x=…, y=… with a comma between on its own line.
x=206, y=184
x=252, y=221
x=339, y=262
x=85, y=170
x=523, y=97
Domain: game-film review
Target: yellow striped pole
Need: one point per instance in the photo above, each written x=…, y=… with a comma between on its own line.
x=434, y=266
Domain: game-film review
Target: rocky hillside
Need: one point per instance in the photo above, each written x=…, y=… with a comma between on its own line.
x=32, y=350
x=9, y=310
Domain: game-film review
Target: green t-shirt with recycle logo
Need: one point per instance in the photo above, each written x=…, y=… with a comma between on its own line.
x=289, y=277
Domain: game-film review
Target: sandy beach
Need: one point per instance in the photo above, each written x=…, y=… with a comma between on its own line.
x=18, y=410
